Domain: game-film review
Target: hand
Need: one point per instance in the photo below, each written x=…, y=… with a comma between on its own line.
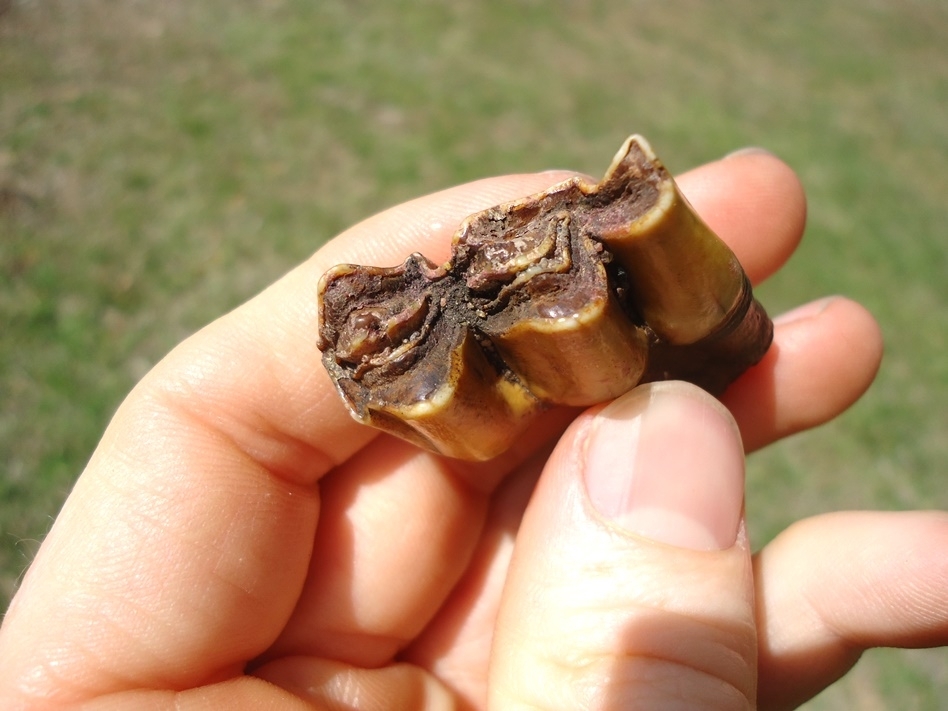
x=237, y=541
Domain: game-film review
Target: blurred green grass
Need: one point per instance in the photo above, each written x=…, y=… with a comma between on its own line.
x=162, y=162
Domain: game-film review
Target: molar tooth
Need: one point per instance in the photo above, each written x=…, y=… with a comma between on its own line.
x=568, y=297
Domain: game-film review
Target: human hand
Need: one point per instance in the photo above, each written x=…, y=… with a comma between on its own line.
x=237, y=541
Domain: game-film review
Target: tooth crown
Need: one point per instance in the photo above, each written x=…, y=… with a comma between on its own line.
x=569, y=297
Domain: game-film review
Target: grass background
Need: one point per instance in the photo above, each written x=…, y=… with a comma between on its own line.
x=162, y=162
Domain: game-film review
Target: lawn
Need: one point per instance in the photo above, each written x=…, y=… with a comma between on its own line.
x=162, y=162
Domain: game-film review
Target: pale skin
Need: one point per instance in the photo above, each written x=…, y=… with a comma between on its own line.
x=237, y=541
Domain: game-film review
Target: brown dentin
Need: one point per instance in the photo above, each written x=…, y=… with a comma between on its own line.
x=433, y=381
x=554, y=319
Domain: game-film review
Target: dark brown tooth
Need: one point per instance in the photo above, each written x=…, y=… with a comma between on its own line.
x=569, y=297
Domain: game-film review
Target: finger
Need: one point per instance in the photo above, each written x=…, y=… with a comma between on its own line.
x=824, y=357
x=630, y=578
x=392, y=514
x=434, y=507
x=830, y=587
x=455, y=646
x=428, y=223
x=241, y=694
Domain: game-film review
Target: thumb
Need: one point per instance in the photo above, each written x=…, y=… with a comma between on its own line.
x=630, y=585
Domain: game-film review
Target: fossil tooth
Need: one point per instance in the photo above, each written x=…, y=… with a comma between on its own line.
x=569, y=297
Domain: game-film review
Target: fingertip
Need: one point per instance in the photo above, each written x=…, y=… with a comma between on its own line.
x=665, y=461
x=825, y=355
x=838, y=346
x=858, y=327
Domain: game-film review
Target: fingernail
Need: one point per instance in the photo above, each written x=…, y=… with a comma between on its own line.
x=665, y=462
x=748, y=151
x=806, y=311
